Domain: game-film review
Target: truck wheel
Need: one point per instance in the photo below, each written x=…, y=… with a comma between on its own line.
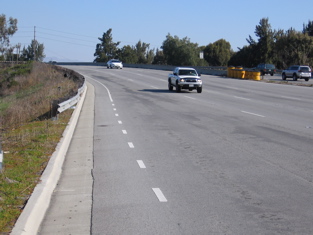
x=306, y=79
x=199, y=89
x=170, y=87
x=283, y=76
x=178, y=88
x=295, y=77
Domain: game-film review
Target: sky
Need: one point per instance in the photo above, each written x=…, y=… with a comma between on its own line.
x=69, y=29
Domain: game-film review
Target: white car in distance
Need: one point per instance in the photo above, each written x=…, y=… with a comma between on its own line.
x=114, y=63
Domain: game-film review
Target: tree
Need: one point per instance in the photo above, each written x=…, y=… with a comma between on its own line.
x=106, y=49
x=144, y=54
x=308, y=29
x=293, y=47
x=244, y=57
x=265, y=42
x=7, y=29
x=128, y=55
x=35, y=51
x=159, y=57
x=180, y=51
x=260, y=51
x=141, y=52
x=218, y=53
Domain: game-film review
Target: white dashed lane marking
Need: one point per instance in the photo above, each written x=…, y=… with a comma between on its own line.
x=141, y=164
x=159, y=194
x=189, y=97
x=255, y=114
x=242, y=98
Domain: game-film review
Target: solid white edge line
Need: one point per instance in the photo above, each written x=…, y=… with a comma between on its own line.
x=255, y=114
x=141, y=164
x=189, y=97
x=103, y=86
x=242, y=98
x=291, y=98
x=159, y=194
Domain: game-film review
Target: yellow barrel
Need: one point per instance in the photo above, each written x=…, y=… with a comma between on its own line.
x=229, y=71
x=248, y=75
x=242, y=73
x=256, y=75
x=232, y=73
x=238, y=71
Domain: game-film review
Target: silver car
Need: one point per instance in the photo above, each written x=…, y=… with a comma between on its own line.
x=297, y=71
x=114, y=63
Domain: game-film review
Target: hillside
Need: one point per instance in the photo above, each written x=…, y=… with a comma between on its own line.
x=29, y=134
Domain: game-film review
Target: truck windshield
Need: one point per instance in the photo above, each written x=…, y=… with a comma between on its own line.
x=187, y=72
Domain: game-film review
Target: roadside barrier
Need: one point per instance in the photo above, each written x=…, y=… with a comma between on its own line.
x=1, y=158
x=239, y=72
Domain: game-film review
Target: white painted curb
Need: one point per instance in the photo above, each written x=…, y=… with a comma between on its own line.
x=33, y=214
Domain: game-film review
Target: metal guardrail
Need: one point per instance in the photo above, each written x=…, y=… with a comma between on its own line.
x=61, y=108
x=1, y=158
x=72, y=101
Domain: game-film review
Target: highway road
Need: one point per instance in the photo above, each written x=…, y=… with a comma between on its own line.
x=235, y=159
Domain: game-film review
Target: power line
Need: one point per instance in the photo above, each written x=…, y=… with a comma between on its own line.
x=65, y=42
x=64, y=37
x=65, y=32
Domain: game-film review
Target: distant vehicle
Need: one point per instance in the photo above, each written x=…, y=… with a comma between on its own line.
x=266, y=69
x=185, y=78
x=114, y=63
x=297, y=71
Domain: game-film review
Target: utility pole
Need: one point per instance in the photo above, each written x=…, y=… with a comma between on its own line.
x=34, y=44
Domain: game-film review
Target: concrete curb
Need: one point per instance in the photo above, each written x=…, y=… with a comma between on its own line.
x=37, y=205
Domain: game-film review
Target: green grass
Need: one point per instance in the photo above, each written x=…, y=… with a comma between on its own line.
x=27, y=141
x=28, y=149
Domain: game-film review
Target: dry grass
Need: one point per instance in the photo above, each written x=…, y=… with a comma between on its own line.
x=31, y=95
x=29, y=135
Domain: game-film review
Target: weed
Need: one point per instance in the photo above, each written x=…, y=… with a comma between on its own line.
x=28, y=142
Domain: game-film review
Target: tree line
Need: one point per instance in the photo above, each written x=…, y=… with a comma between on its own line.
x=34, y=51
x=280, y=47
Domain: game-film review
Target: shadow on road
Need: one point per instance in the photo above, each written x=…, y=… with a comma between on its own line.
x=157, y=90
x=166, y=91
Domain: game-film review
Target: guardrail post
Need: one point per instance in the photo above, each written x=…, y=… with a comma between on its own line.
x=1, y=158
x=54, y=109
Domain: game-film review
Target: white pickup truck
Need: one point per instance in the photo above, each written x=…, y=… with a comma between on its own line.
x=185, y=78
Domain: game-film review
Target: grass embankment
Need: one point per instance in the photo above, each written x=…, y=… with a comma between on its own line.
x=28, y=134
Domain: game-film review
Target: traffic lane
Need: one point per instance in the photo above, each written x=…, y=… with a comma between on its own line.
x=291, y=114
x=252, y=109
x=133, y=218
x=122, y=199
x=221, y=151
x=292, y=120
x=214, y=215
